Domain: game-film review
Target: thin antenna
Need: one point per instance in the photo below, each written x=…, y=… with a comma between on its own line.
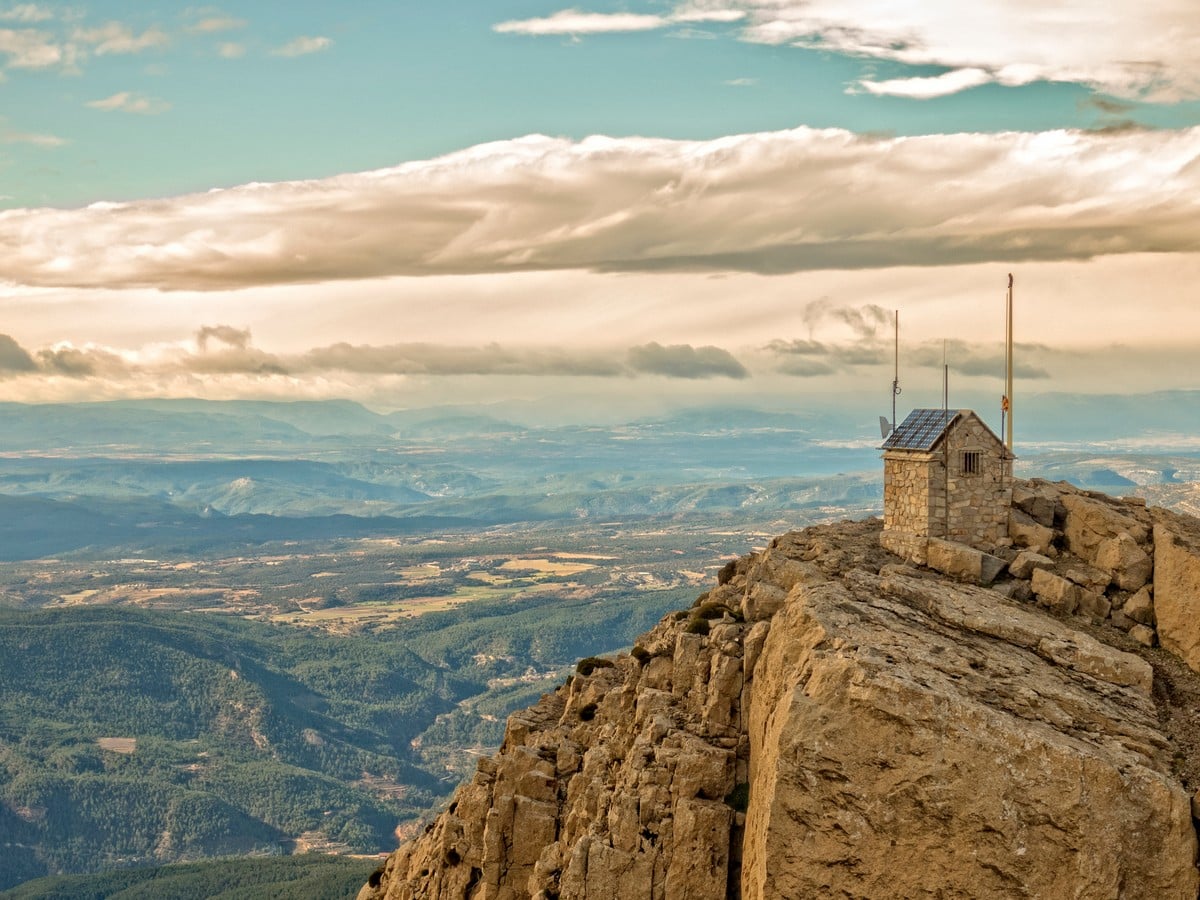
x=896, y=373
x=945, y=385
x=945, y=444
x=1006, y=405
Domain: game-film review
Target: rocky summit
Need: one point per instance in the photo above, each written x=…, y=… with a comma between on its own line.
x=833, y=720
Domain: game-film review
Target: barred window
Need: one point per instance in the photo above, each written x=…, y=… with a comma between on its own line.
x=970, y=462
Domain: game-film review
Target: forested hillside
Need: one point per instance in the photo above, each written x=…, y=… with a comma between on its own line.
x=308, y=877
x=130, y=736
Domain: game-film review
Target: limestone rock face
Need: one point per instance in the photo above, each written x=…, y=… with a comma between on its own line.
x=613, y=786
x=871, y=731
x=898, y=749
x=1177, y=585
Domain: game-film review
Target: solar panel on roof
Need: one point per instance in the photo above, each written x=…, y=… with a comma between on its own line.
x=921, y=430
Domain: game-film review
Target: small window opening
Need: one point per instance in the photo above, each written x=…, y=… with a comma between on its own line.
x=970, y=462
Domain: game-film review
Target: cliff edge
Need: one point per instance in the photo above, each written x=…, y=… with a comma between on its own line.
x=831, y=721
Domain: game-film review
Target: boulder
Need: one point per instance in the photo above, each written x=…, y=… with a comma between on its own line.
x=1140, y=607
x=1055, y=592
x=1093, y=604
x=1025, y=532
x=963, y=562
x=1090, y=522
x=1143, y=635
x=1129, y=565
x=1089, y=578
x=1038, y=501
x=1026, y=562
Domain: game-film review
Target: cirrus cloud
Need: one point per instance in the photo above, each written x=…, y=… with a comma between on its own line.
x=216, y=24
x=571, y=21
x=302, y=46
x=575, y=22
x=8, y=136
x=26, y=12
x=118, y=38
x=128, y=102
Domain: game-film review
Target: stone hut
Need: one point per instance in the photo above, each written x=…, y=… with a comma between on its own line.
x=946, y=475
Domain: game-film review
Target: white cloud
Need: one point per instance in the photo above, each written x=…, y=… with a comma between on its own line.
x=25, y=137
x=231, y=50
x=924, y=88
x=115, y=37
x=1146, y=49
x=576, y=22
x=302, y=46
x=570, y=21
x=29, y=49
x=26, y=12
x=216, y=24
x=127, y=102
x=790, y=201
x=694, y=13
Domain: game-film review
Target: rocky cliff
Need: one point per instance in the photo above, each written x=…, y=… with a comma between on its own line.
x=832, y=721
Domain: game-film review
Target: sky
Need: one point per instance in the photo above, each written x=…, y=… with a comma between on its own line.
x=599, y=207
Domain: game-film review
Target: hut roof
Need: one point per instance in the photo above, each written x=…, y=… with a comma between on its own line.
x=921, y=430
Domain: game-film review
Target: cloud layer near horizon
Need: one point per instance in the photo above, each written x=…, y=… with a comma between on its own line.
x=776, y=202
x=224, y=350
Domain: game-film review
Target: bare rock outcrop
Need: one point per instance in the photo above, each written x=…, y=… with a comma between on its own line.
x=911, y=739
x=1083, y=553
x=829, y=721
x=1176, y=596
x=1114, y=561
x=616, y=785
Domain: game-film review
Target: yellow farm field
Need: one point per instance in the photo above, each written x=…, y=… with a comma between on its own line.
x=117, y=745
x=557, y=567
x=341, y=617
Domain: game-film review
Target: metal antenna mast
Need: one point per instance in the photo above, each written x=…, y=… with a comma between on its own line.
x=1006, y=403
x=945, y=385
x=896, y=373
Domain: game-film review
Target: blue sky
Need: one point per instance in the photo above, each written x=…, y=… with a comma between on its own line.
x=755, y=177
x=385, y=82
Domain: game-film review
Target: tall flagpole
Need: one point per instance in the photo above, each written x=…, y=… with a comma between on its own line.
x=1008, y=369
